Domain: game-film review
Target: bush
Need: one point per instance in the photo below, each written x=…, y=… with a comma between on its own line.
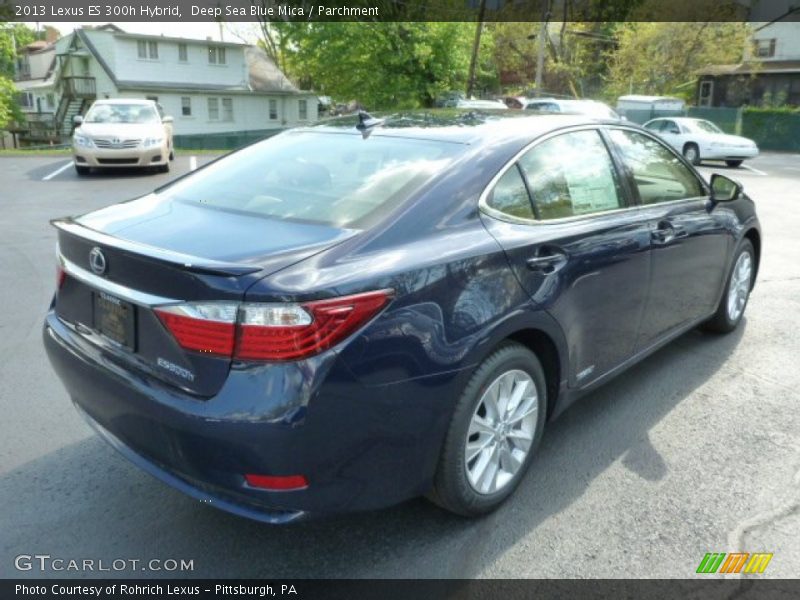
x=773, y=128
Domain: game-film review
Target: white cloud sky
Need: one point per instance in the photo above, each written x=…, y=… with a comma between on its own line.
x=231, y=32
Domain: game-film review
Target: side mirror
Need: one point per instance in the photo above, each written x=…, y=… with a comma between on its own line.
x=724, y=189
x=675, y=130
x=77, y=120
x=167, y=119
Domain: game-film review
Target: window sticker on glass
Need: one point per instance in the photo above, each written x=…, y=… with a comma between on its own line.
x=571, y=175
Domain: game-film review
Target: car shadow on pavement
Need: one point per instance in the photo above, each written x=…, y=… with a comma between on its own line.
x=84, y=501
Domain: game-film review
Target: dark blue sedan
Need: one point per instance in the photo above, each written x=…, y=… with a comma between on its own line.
x=349, y=315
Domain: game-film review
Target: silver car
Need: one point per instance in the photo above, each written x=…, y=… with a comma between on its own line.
x=122, y=133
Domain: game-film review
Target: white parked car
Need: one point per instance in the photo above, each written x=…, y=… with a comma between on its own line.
x=590, y=108
x=122, y=133
x=480, y=104
x=699, y=140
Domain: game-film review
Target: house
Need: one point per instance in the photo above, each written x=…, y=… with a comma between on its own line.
x=207, y=86
x=35, y=68
x=768, y=74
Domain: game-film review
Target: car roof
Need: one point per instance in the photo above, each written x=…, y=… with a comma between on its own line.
x=461, y=125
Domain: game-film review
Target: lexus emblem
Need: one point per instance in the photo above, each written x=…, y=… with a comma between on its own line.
x=97, y=261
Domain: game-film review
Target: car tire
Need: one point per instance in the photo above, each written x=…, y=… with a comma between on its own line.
x=172, y=155
x=458, y=477
x=733, y=163
x=737, y=291
x=82, y=171
x=692, y=153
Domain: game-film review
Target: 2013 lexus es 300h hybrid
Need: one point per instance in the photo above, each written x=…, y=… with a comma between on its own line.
x=356, y=313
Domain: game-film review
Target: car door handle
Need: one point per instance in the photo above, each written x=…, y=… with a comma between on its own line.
x=547, y=260
x=664, y=233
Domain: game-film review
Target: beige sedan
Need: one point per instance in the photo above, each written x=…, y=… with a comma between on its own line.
x=122, y=133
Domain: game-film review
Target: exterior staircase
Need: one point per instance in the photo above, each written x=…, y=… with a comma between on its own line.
x=77, y=94
x=74, y=107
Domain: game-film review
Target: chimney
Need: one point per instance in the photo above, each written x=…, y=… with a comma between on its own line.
x=51, y=34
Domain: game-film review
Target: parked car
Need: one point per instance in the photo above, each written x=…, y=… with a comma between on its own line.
x=700, y=140
x=591, y=108
x=329, y=321
x=450, y=99
x=124, y=133
x=515, y=102
x=481, y=104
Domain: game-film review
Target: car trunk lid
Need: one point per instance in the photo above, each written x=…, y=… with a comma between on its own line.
x=155, y=254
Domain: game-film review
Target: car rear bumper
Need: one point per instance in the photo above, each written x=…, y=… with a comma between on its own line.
x=121, y=158
x=359, y=447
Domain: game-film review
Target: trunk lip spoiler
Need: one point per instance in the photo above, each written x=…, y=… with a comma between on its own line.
x=186, y=261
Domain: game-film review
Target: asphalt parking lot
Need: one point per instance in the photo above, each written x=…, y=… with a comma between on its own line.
x=695, y=450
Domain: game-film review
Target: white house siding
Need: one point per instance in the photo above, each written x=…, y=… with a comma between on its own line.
x=787, y=41
x=167, y=68
x=250, y=111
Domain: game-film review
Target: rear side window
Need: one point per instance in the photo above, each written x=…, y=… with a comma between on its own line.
x=658, y=173
x=571, y=175
x=510, y=196
x=329, y=178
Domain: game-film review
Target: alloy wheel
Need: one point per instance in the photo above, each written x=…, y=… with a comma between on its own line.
x=740, y=285
x=501, y=432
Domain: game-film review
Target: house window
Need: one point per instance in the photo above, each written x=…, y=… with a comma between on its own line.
x=147, y=50
x=51, y=101
x=273, y=109
x=183, y=53
x=26, y=100
x=23, y=67
x=186, y=106
x=213, y=109
x=765, y=48
x=302, y=109
x=227, y=109
x=216, y=56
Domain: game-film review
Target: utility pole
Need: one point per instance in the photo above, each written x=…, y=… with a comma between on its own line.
x=476, y=46
x=540, y=49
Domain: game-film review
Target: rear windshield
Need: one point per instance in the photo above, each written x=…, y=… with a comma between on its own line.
x=336, y=179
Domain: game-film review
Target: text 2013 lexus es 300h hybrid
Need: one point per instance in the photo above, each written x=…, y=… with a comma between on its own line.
x=356, y=313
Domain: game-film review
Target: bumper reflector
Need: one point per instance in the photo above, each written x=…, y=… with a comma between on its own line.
x=278, y=483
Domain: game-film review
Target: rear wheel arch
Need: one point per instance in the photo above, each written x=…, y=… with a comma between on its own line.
x=546, y=350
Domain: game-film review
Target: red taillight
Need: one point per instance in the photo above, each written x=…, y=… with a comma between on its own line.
x=61, y=275
x=278, y=483
x=270, y=332
x=208, y=328
x=330, y=322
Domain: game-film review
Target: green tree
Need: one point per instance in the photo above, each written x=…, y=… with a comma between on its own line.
x=663, y=58
x=12, y=37
x=9, y=109
x=381, y=65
